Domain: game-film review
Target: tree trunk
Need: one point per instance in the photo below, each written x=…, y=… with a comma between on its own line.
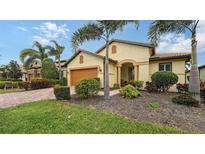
x=59, y=67
x=194, y=83
x=106, y=74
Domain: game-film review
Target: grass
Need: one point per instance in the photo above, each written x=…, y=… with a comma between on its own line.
x=2, y=91
x=62, y=117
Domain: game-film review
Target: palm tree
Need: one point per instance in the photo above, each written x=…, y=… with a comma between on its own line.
x=35, y=54
x=159, y=28
x=56, y=51
x=98, y=30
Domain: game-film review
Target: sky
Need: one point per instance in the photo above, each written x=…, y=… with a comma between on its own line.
x=16, y=35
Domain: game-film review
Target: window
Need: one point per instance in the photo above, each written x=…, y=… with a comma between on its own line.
x=81, y=59
x=165, y=67
x=114, y=49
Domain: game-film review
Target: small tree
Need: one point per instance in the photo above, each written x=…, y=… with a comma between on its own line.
x=164, y=80
x=49, y=70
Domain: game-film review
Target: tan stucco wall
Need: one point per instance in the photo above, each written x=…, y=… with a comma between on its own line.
x=127, y=51
x=202, y=74
x=88, y=62
x=178, y=67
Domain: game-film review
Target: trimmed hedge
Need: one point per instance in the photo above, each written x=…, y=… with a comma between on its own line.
x=63, y=82
x=164, y=80
x=185, y=100
x=41, y=83
x=129, y=92
x=8, y=84
x=62, y=92
x=24, y=85
x=87, y=87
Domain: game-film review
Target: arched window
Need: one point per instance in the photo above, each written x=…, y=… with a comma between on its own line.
x=114, y=49
x=81, y=59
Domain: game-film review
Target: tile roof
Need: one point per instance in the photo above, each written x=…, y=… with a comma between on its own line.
x=171, y=55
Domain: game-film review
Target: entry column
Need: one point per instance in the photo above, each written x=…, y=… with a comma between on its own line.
x=136, y=72
x=119, y=75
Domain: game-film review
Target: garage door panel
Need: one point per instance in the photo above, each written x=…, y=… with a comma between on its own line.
x=77, y=75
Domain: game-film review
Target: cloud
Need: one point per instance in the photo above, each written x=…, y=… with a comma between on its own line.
x=42, y=40
x=181, y=43
x=48, y=31
x=22, y=29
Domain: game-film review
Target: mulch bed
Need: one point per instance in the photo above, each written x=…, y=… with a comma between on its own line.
x=169, y=114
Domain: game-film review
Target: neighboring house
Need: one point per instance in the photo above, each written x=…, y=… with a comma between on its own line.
x=128, y=61
x=201, y=74
x=35, y=71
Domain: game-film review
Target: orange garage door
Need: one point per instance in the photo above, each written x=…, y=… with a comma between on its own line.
x=77, y=75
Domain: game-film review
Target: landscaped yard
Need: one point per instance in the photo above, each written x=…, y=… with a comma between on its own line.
x=151, y=107
x=62, y=117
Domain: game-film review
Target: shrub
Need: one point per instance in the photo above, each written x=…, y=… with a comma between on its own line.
x=15, y=84
x=63, y=82
x=185, y=100
x=116, y=86
x=24, y=85
x=150, y=87
x=41, y=83
x=129, y=92
x=49, y=70
x=182, y=88
x=7, y=84
x=98, y=79
x=87, y=88
x=164, y=80
x=62, y=92
x=2, y=84
x=138, y=84
x=154, y=105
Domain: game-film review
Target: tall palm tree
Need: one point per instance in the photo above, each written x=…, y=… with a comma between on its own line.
x=159, y=28
x=56, y=51
x=35, y=54
x=98, y=30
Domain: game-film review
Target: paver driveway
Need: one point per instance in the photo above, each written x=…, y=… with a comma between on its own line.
x=13, y=99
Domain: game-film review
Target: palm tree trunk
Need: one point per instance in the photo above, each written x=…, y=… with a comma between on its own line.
x=59, y=67
x=106, y=74
x=194, y=84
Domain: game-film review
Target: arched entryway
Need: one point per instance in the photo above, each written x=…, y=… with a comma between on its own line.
x=127, y=71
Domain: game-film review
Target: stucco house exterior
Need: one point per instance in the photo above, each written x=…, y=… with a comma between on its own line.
x=35, y=70
x=201, y=74
x=128, y=61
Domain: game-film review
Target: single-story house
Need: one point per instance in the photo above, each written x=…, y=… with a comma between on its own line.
x=201, y=74
x=128, y=61
x=35, y=70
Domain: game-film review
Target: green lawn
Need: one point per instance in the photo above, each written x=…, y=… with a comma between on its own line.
x=61, y=117
x=2, y=91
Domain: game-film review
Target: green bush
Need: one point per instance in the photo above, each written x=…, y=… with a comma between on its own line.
x=164, y=80
x=62, y=92
x=49, y=70
x=129, y=92
x=24, y=85
x=185, y=100
x=87, y=88
x=41, y=83
x=8, y=84
x=138, y=84
x=116, y=86
x=63, y=82
x=154, y=105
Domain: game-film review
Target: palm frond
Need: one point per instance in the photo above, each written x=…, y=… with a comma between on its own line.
x=28, y=53
x=91, y=31
x=160, y=27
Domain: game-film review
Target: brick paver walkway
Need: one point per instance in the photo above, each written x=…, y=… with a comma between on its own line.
x=13, y=99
